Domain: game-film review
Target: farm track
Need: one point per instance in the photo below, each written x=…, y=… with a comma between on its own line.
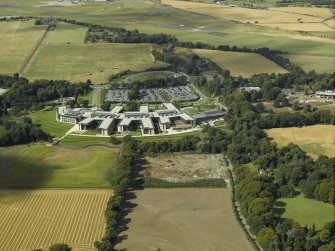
x=30, y=56
x=37, y=219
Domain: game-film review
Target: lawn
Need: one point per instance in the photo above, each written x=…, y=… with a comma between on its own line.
x=77, y=142
x=315, y=140
x=41, y=166
x=49, y=124
x=65, y=33
x=79, y=62
x=308, y=211
x=17, y=40
x=240, y=63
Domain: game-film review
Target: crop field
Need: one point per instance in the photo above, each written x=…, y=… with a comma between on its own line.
x=321, y=64
x=312, y=11
x=183, y=220
x=271, y=17
x=241, y=64
x=79, y=62
x=39, y=218
x=41, y=166
x=17, y=40
x=185, y=167
x=49, y=124
x=65, y=33
x=315, y=140
x=307, y=211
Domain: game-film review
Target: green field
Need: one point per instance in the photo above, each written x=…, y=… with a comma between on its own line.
x=76, y=142
x=17, y=40
x=154, y=17
x=168, y=137
x=79, y=62
x=49, y=124
x=41, y=166
x=321, y=64
x=65, y=33
x=308, y=211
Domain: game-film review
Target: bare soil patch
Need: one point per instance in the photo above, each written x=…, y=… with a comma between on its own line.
x=186, y=167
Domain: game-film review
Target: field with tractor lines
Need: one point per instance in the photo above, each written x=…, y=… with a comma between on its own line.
x=241, y=63
x=40, y=218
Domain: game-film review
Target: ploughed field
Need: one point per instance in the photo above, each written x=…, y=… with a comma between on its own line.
x=183, y=220
x=39, y=218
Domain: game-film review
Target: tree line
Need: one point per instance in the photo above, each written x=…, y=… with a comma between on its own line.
x=119, y=178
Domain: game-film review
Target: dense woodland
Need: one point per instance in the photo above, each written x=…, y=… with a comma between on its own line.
x=24, y=95
x=20, y=131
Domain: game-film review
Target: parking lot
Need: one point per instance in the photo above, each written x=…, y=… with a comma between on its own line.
x=157, y=95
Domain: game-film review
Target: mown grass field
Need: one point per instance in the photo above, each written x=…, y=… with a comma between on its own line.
x=241, y=64
x=321, y=64
x=49, y=124
x=65, y=33
x=79, y=62
x=39, y=218
x=77, y=142
x=183, y=220
x=307, y=211
x=41, y=166
x=315, y=140
x=17, y=40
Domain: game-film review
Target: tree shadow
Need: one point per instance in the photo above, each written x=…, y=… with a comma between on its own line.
x=23, y=173
x=279, y=208
x=129, y=204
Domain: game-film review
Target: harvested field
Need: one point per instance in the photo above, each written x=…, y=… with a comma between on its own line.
x=321, y=64
x=311, y=11
x=41, y=166
x=244, y=15
x=183, y=220
x=315, y=140
x=17, y=40
x=240, y=63
x=186, y=167
x=40, y=218
x=79, y=62
x=300, y=26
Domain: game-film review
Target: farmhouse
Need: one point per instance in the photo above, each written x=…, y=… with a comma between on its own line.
x=150, y=123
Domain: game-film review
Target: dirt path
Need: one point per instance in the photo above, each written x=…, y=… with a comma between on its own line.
x=30, y=56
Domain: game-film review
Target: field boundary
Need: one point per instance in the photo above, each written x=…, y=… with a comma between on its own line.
x=30, y=55
x=239, y=217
